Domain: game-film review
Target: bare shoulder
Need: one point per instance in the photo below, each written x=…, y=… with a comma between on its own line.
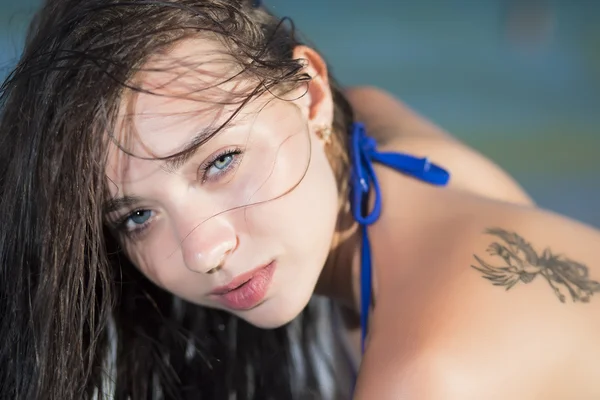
x=496, y=301
x=397, y=127
x=471, y=171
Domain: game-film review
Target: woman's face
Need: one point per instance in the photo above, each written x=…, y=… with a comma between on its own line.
x=244, y=223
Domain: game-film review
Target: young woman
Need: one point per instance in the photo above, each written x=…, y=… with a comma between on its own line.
x=181, y=181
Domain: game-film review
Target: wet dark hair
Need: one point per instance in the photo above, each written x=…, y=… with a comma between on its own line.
x=77, y=320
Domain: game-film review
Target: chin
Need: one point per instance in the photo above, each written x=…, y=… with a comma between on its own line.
x=273, y=313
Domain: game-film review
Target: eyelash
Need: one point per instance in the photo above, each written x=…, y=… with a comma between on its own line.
x=133, y=233
x=204, y=168
x=211, y=162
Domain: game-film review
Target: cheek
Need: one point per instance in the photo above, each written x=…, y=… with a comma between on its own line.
x=148, y=260
x=171, y=275
x=318, y=202
x=159, y=259
x=304, y=219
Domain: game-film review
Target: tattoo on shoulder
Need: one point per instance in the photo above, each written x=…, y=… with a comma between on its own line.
x=519, y=262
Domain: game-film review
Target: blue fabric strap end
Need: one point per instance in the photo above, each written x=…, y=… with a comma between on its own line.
x=363, y=152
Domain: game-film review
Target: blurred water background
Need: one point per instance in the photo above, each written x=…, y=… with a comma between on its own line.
x=518, y=80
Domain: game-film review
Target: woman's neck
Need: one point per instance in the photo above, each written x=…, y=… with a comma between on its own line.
x=340, y=277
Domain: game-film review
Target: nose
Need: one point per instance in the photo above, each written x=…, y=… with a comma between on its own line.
x=206, y=247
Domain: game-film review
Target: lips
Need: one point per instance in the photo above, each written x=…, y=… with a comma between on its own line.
x=245, y=291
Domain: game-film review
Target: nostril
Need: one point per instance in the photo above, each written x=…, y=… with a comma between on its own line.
x=219, y=264
x=213, y=270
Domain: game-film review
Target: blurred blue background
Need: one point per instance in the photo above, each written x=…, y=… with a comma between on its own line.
x=518, y=80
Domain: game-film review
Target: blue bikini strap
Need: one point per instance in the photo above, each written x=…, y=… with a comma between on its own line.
x=363, y=152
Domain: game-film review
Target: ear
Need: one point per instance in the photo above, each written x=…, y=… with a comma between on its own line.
x=318, y=100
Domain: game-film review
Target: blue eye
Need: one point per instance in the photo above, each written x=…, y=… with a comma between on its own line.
x=140, y=216
x=223, y=162
x=221, y=165
x=137, y=218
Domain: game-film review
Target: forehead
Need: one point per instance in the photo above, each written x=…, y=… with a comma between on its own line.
x=195, y=87
x=192, y=88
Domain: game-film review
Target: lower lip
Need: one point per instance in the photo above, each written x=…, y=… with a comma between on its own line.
x=251, y=293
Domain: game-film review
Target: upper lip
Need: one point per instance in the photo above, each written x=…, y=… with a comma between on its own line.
x=237, y=281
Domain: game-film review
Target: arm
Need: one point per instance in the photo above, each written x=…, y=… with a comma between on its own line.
x=504, y=312
x=398, y=128
x=413, y=382
x=437, y=380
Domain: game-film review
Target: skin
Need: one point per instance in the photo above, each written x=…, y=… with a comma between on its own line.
x=394, y=125
x=439, y=329
x=194, y=224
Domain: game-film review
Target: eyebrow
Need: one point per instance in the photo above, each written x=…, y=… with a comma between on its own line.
x=118, y=203
x=172, y=164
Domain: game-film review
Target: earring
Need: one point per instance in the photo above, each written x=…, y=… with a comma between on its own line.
x=324, y=133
